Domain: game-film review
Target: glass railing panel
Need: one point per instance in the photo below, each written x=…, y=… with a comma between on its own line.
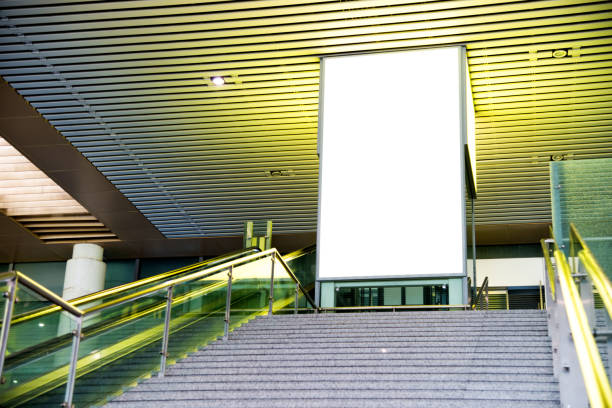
x=250, y=291
x=284, y=290
x=24, y=377
x=304, y=266
x=197, y=317
x=27, y=301
x=580, y=194
x=40, y=329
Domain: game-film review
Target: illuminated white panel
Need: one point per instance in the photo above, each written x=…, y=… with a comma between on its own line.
x=391, y=153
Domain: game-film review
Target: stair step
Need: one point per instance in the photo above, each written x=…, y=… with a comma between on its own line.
x=354, y=392
x=358, y=338
x=527, y=379
x=370, y=347
x=226, y=369
x=337, y=403
x=353, y=360
x=369, y=354
x=336, y=384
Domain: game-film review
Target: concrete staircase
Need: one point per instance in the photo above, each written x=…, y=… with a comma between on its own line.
x=409, y=359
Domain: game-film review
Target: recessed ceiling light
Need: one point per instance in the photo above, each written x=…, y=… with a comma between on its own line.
x=218, y=80
x=560, y=53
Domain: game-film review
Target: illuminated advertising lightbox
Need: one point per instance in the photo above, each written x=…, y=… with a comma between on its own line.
x=392, y=129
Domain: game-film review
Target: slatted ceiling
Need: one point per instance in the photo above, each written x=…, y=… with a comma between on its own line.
x=128, y=83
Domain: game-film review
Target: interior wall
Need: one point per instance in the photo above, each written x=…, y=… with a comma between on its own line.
x=509, y=272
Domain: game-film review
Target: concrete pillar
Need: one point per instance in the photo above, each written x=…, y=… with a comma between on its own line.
x=85, y=272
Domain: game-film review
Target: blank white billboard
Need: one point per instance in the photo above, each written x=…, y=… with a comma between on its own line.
x=391, y=137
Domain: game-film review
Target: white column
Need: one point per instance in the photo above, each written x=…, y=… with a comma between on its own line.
x=85, y=272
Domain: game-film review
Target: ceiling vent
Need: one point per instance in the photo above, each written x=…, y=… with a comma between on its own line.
x=279, y=173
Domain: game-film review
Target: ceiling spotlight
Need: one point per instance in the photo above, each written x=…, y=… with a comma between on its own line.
x=218, y=80
x=560, y=53
x=557, y=157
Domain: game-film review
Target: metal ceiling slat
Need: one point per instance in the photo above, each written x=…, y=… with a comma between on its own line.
x=497, y=115
x=605, y=147
x=547, y=63
x=186, y=160
x=298, y=92
x=296, y=191
x=593, y=84
x=212, y=149
x=223, y=67
x=150, y=116
x=236, y=214
x=235, y=202
x=181, y=143
x=540, y=97
x=307, y=179
x=266, y=161
x=184, y=123
x=586, y=76
x=511, y=74
x=106, y=145
x=583, y=117
x=188, y=111
x=184, y=106
x=543, y=134
x=209, y=170
x=202, y=91
x=524, y=106
x=214, y=132
x=204, y=127
x=196, y=73
x=198, y=84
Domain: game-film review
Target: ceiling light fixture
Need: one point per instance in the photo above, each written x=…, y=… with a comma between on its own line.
x=218, y=80
x=560, y=53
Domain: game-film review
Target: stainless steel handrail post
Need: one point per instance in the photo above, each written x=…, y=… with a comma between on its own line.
x=487, y=296
x=166, y=338
x=6, y=321
x=273, y=258
x=297, y=298
x=74, y=357
x=228, y=302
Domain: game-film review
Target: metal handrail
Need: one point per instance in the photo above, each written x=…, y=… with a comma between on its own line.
x=296, y=280
x=479, y=297
x=593, y=372
x=594, y=270
x=300, y=252
x=128, y=286
x=549, y=268
x=47, y=294
x=397, y=307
